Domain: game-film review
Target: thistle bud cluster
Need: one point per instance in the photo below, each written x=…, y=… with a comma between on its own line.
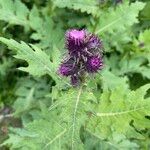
x=84, y=55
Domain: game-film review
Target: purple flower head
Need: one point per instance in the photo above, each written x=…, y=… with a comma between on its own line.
x=64, y=70
x=75, y=41
x=84, y=55
x=76, y=36
x=94, y=64
x=94, y=42
x=68, y=67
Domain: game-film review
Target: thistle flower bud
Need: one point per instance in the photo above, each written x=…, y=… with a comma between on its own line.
x=94, y=64
x=64, y=70
x=94, y=42
x=67, y=67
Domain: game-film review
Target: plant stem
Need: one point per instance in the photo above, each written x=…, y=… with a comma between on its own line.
x=74, y=115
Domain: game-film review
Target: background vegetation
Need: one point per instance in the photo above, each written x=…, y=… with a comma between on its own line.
x=39, y=110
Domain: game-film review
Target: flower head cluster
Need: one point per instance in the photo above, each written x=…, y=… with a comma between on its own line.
x=84, y=55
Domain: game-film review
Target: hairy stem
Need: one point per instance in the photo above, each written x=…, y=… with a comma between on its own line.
x=74, y=116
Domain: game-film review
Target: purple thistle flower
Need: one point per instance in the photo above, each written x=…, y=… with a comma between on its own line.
x=94, y=64
x=84, y=55
x=76, y=36
x=64, y=70
x=93, y=42
x=67, y=67
x=75, y=41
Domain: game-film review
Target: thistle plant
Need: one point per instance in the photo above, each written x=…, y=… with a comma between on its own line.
x=111, y=112
x=84, y=55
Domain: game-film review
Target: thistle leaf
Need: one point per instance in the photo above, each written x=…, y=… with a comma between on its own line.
x=88, y=6
x=38, y=61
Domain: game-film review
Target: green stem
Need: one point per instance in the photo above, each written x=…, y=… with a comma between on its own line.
x=74, y=115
